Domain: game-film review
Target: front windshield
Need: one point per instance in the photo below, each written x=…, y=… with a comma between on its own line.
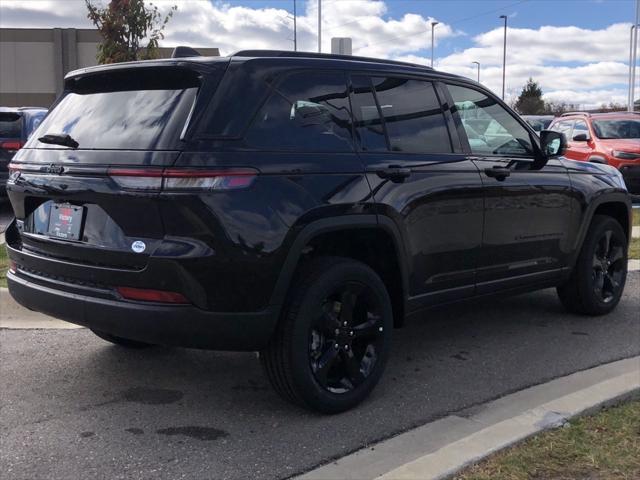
x=617, y=128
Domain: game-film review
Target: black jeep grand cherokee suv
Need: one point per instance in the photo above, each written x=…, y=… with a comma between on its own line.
x=300, y=205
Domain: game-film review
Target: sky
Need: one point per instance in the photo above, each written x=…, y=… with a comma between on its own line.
x=577, y=50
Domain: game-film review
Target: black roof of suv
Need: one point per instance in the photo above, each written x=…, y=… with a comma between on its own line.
x=300, y=205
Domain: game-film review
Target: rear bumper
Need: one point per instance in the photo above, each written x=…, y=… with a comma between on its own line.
x=176, y=325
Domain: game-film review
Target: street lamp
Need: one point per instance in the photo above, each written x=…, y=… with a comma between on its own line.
x=433, y=24
x=633, y=52
x=504, y=53
x=630, y=93
x=295, y=26
x=478, y=64
x=319, y=26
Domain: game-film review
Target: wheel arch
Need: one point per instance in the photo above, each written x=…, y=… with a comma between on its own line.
x=615, y=205
x=362, y=237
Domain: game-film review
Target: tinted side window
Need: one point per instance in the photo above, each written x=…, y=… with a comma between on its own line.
x=580, y=127
x=490, y=128
x=306, y=111
x=368, y=124
x=412, y=115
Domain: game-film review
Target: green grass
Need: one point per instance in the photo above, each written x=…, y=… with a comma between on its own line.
x=598, y=447
x=4, y=265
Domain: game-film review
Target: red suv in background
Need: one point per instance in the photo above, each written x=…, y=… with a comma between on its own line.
x=611, y=138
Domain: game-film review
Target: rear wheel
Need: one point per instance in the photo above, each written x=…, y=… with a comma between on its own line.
x=120, y=341
x=598, y=278
x=333, y=341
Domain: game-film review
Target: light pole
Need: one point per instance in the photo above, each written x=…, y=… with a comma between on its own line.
x=433, y=25
x=295, y=27
x=319, y=26
x=633, y=52
x=504, y=53
x=478, y=64
x=631, y=69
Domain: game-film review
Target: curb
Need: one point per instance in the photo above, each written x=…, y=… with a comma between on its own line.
x=440, y=449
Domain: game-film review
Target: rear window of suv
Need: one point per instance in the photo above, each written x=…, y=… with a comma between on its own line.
x=137, y=109
x=10, y=125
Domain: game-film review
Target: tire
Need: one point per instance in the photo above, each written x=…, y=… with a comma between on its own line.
x=314, y=358
x=120, y=341
x=599, y=275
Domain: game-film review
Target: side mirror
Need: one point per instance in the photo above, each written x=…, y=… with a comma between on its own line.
x=581, y=137
x=552, y=143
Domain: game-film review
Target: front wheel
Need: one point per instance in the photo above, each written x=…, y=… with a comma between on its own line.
x=334, y=338
x=599, y=275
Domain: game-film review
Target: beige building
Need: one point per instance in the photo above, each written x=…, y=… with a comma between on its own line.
x=34, y=61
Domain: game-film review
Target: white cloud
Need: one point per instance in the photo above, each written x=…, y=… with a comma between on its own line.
x=572, y=64
x=569, y=62
x=231, y=28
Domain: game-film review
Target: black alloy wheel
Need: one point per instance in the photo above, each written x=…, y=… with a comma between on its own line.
x=346, y=338
x=334, y=338
x=597, y=280
x=609, y=266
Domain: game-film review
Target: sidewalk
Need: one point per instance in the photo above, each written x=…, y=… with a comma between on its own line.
x=442, y=448
x=15, y=316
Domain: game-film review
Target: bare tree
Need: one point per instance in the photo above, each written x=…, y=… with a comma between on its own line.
x=124, y=26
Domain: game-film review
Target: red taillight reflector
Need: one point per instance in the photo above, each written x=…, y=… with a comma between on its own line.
x=13, y=267
x=183, y=179
x=11, y=145
x=135, y=172
x=148, y=295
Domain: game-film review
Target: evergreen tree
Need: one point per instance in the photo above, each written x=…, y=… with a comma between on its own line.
x=530, y=100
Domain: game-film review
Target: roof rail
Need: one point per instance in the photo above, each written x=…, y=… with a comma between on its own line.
x=328, y=56
x=570, y=114
x=182, y=51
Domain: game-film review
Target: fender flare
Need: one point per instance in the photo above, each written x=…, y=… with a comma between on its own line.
x=587, y=218
x=334, y=224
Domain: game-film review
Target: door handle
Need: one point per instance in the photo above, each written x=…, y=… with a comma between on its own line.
x=395, y=173
x=499, y=173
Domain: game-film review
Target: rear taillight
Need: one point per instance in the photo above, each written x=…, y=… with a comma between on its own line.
x=11, y=146
x=148, y=295
x=178, y=179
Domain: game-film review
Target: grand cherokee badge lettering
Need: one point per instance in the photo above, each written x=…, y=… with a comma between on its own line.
x=57, y=169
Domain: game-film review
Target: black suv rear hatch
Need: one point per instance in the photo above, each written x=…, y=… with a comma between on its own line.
x=77, y=204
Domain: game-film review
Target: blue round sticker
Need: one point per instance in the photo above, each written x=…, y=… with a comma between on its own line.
x=138, y=246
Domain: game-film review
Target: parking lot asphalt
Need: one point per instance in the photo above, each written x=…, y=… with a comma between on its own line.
x=74, y=406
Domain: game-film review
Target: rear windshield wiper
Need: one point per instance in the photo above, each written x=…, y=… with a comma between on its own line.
x=59, y=139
